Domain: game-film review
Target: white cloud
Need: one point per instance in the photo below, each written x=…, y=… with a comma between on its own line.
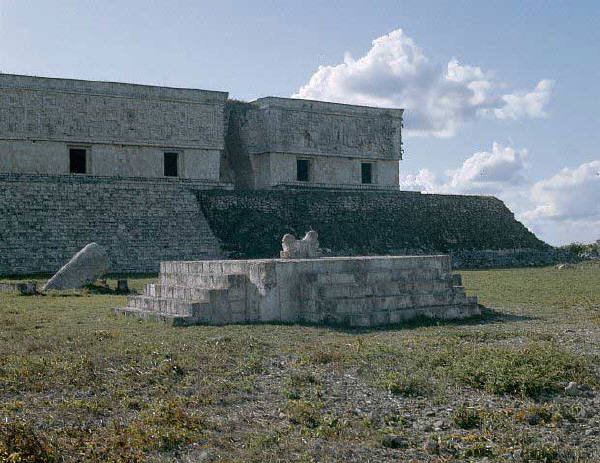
x=563, y=232
x=560, y=209
x=438, y=99
x=529, y=104
x=489, y=171
x=571, y=194
x=485, y=172
x=424, y=180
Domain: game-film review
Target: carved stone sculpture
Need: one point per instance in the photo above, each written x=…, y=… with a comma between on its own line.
x=84, y=268
x=307, y=247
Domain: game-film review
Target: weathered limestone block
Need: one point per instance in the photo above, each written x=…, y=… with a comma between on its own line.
x=351, y=291
x=306, y=248
x=20, y=287
x=84, y=268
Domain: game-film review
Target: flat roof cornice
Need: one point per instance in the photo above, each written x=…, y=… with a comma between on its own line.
x=300, y=104
x=15, y=81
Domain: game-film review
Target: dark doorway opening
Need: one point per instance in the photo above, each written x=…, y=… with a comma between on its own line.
x=171, y=164
x=302, y=167
x=366, y=172
x=77, y=161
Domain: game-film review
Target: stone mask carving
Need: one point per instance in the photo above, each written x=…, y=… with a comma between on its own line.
x=307, y=247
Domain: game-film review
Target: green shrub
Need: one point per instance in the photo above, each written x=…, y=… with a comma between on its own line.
x=325, y=357
x=304, y=413
x=467, y=417
x=393, y=442
x=575, y=248
x=479, y=450
x=536, y=414
x=19, y=442
x=164, y=427
x=527, y=372
x=302, y=378
x=540, y=453
x=414, y=384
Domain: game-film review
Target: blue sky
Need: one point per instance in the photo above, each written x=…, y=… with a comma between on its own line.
x=502, y=97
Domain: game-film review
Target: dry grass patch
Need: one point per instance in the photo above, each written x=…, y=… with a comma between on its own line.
x=79, y=384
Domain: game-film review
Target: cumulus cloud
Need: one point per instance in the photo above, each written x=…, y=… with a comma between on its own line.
x=565, y=206
x=489, y=171
x=424, y=180
x=560, y=209
x=571, y=194
x=438, y=99
x=484, y=172
x=529, y=104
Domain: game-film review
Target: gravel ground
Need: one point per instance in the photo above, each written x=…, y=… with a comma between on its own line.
x=521, y=383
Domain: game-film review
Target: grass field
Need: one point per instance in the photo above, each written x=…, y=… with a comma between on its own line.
x=78, y=383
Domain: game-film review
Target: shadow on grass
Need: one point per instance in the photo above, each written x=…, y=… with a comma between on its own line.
x=92, y=289
x=488, y=316
x=101, y=289
x=86, y=291
x=130, y=276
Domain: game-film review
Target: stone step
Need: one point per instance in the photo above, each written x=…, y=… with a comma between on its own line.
x=185, y=293
x=377, y=277
x=167, y=306
x=387, y=288
x=361, y=319
x=202, y=280
x=392, y=316
x=403, y=301
x=208, y=317
x=177, y=292
x=205, y=267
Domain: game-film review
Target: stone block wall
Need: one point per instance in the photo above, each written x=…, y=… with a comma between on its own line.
x=321, y=128
x=52, y=157
x=266, y=137
x=46, y=219
x=251, y=224
x=329, y=171
x=125, y=128
x=351, y=291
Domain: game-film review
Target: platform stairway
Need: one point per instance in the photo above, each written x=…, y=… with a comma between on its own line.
x=352, y=291
x=193, y=299
x=382, y=298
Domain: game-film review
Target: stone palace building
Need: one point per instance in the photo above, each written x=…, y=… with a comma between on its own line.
x=63, y=126
x=159, y=174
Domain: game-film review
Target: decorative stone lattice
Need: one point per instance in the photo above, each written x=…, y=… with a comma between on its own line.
x=64, y=109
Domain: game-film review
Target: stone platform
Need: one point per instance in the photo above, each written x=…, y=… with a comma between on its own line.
x=351, y=291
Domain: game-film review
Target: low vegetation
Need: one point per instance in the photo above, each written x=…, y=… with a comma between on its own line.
x=80, y=384
x=584, y=249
